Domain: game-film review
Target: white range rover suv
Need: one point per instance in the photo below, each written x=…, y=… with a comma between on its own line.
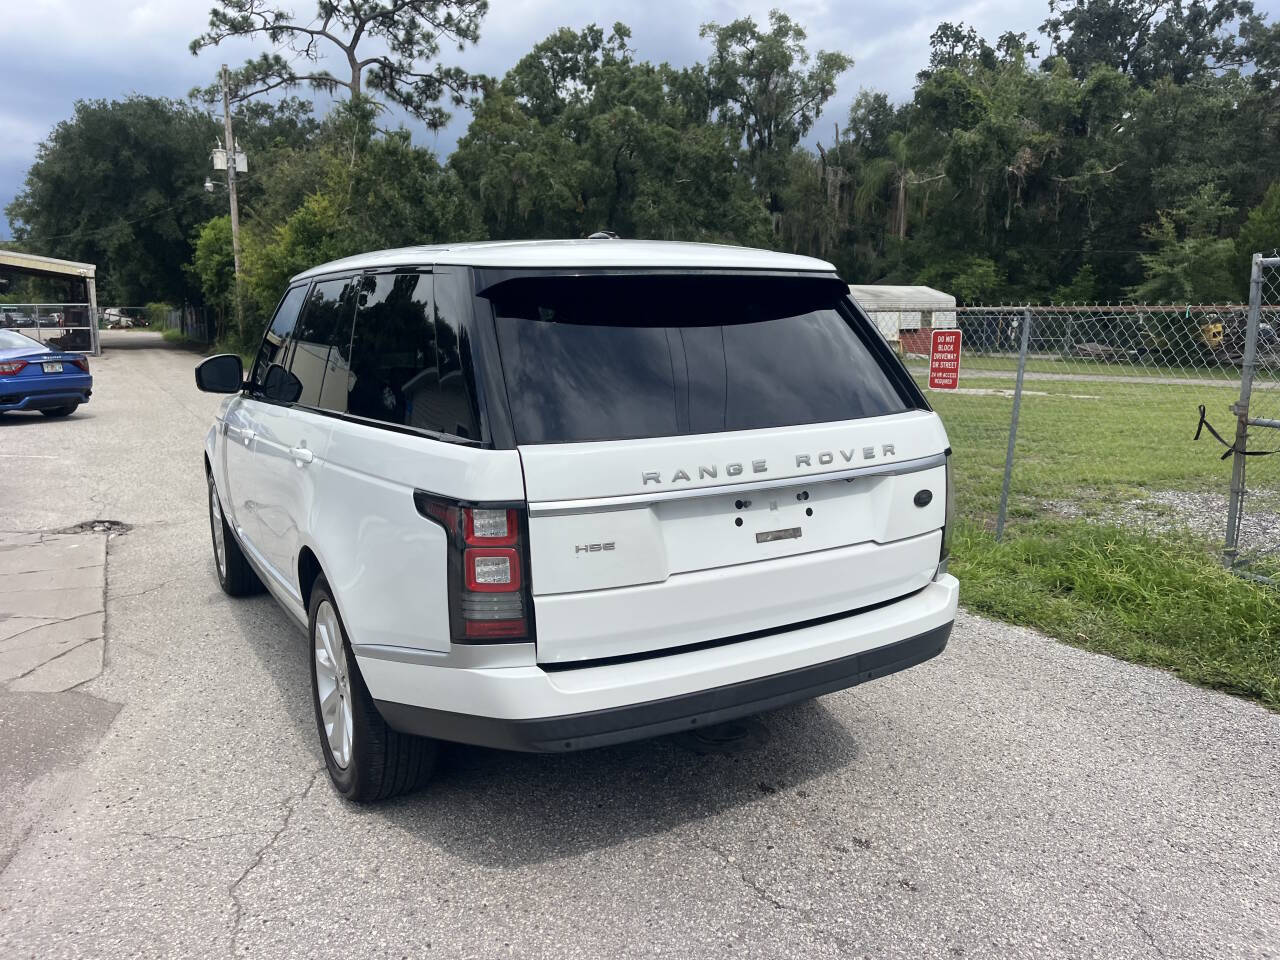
x=555, y=495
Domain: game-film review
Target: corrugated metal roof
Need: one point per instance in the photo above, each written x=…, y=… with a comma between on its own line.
x=31, y=263
x=883, y=296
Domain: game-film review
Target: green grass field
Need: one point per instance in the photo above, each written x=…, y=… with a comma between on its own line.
x=1082, y=440
x=1156, y=600
x=1074, y=563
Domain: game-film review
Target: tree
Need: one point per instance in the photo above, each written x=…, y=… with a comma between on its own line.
x=213, y=267
x=1147, y=39
x=580, y=137
x=871, y=119
x=971, y=279
x=1192, y=262
x=364, y=191
x=271, y=124
x=120, y=185
x=564, y=70
x=1260, y=232
x=386, y=47
x=764, y=90
x=1083, y=287
x=312, y=234
x=894, y=170
x=953, y=45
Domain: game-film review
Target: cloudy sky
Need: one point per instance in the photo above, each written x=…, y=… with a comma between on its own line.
x=57, y=51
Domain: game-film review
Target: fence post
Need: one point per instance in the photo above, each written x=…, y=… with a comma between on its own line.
x=1235, y=506
x=1013, y=424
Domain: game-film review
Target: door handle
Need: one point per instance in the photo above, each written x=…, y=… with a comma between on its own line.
x=247, y=436
x=301, y=455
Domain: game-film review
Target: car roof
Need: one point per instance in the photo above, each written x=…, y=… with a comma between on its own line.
x=577, y=254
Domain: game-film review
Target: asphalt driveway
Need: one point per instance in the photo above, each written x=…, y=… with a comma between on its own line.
x=1013, y=797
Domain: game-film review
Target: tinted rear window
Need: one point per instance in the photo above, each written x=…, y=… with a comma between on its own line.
x=609, y=358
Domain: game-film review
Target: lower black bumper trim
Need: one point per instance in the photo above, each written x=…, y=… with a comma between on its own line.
x=600, y=728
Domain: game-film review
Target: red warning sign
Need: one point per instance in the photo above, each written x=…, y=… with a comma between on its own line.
x=944, y=360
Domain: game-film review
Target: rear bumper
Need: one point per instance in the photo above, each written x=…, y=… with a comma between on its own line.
x=15, y=394
x=527, y=708
x=600, y=728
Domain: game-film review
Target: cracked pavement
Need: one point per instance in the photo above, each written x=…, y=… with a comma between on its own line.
x=52, y=607
x=1012, y=798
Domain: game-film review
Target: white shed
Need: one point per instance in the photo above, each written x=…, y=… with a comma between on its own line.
x=895, y=309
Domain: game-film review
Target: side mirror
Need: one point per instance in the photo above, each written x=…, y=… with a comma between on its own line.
x=221, y=374
x=280, y=384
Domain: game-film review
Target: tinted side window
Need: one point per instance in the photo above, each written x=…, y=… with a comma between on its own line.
x=322, y=344
x=406, y=365
x=275, y=342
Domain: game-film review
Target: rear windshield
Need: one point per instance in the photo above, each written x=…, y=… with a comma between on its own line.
x=611, y=358
x=16, y=341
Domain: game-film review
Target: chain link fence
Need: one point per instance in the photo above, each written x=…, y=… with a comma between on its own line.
x=197, y=324
x=63, y=326
x=1094, y=412
x=1253, y=524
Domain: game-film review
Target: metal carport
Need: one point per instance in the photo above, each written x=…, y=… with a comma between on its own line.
x=68, y=325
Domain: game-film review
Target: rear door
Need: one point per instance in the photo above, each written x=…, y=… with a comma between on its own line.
x=707, y=457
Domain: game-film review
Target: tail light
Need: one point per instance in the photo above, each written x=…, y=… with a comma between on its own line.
x=82, y=363
x=489, y=597
x=10, y=367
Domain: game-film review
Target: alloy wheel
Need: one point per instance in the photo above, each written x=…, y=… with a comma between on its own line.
x=333, y=683
x=219, y=533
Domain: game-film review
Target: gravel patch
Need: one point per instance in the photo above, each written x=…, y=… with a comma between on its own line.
x=1180, y=511
x=1009, y=394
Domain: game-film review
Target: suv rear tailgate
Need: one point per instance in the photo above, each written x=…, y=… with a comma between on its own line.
x=737, y=532
x=732, y=603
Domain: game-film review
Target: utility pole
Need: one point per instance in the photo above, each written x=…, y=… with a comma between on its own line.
x=232, y=159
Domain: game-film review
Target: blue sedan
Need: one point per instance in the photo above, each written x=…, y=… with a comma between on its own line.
x=33, y=377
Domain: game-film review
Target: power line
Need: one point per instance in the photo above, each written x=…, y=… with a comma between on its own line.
x=115, y=225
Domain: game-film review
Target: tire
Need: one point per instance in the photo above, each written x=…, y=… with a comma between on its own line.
x=366, y=759
x=66, y=411
x=235, y=576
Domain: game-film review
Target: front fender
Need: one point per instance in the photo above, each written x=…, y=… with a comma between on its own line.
x=213, y=438
x=211, y=443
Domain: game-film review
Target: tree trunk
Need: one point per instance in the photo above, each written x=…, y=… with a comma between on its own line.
x=902, y=205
